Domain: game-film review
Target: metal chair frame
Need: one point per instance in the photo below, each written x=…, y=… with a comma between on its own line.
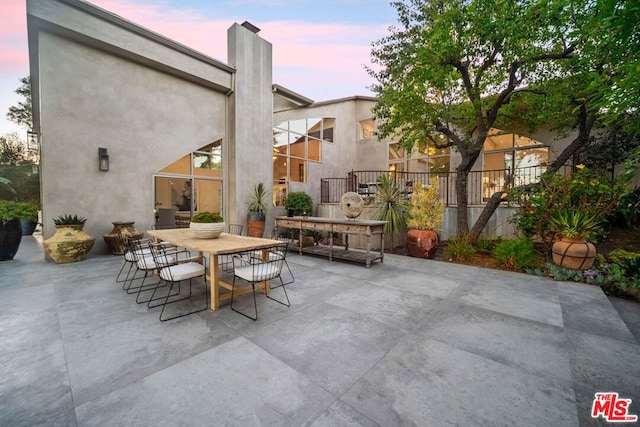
x=247, y=268
x=172, y=270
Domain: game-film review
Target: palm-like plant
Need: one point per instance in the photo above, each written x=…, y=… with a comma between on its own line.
x=576, y=224
x=391, y=206
x=258, y=201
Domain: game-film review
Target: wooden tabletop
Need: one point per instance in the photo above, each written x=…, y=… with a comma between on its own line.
x=224, y=244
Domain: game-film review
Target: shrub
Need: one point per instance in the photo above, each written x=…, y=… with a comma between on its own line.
x=486, y=246
x=299, y=201
x=516, y=254
x=427, y=210
x=587, y=192
x=207, y=217
x=460, y=249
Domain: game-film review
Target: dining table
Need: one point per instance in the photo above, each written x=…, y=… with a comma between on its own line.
x=225, y=244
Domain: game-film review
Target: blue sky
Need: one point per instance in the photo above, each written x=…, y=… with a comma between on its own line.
x=320, y=48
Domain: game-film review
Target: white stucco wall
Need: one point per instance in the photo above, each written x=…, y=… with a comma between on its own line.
x=146, y=114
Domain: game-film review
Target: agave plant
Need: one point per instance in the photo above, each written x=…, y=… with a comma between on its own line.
x=391, y=207
x=69, y=220
x=576, y=224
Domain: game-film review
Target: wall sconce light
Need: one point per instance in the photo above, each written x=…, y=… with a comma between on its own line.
x=103, y=160
x=33, y=141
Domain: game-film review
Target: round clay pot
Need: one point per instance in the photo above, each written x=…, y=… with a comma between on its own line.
x=112, y=238
x=69, y=244
x=576, y=254
x=422, y=243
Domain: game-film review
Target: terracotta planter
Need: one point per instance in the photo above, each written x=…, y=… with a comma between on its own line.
x=69, y=244
x=255, y=224
x=112, y=238
x=10, y=238
x=576, y=254
x=422, y=243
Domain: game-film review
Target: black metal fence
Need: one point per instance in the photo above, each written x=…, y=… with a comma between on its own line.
x=480, y=187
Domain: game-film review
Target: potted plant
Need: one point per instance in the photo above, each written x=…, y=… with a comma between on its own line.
x=207, y=225
x=300, y=203
x=259, y=205
x=70, y=243
x=390, y=206
x=28, y=218
x=425, y=217
x=10, y=229
x=576, y=229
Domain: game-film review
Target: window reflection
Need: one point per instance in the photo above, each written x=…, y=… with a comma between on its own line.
x=296, y=142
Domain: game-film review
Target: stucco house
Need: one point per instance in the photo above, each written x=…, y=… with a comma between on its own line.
x=184, y=132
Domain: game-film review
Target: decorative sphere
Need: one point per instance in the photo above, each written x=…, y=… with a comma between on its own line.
x=351, y=204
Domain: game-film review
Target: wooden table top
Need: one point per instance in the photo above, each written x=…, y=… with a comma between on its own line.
x=224, y=244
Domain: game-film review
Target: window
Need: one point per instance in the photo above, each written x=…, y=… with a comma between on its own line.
x=511, y=159
x=295, y=143
x=191, y=184
x=427, y=159
x=367, y=128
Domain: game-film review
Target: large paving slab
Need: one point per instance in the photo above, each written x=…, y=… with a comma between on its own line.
x=405, y=342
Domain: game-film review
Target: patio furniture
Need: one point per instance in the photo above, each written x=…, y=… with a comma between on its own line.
x=224, y=261
x=174, y=271
x=246, y=268
x=365, y=228
x=223, y=245
x=138, y=255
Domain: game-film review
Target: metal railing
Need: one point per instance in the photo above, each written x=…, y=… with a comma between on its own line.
x=480, y=187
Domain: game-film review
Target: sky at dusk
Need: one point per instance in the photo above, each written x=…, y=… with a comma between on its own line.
x=320, y=48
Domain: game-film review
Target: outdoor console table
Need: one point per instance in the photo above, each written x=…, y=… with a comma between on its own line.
x=224, y=245
x=366, y=228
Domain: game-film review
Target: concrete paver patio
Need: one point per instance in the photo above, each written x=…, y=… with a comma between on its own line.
x=406, y=342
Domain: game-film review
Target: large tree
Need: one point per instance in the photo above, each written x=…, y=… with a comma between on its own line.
x=458, y=68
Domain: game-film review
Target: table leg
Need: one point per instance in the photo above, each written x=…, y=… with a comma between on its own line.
x=214, y=282
x=382, y=247
x=368, y=250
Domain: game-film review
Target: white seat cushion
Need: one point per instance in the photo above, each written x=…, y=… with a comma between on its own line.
x=256, y=273
x=182, y=271
x=147, y=263
x=131, y=257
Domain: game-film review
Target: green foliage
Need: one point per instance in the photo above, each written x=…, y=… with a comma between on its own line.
x=486, y=246
x=300, y=202
x=22, y=114
x=460, y=249
x=391, y=206
x=516, y=254
x=574, y=224
x=589, y=193
x=207, y=217
x=18, y=180
x=427, y=210
x=29, y=211
x=629, y=207
x=69, y=220
x=18, y=210
x=258, y=199
x=621, y=256
x=10, y=210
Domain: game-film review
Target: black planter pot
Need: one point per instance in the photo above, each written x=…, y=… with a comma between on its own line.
x=10, y=238
x=28, y=226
